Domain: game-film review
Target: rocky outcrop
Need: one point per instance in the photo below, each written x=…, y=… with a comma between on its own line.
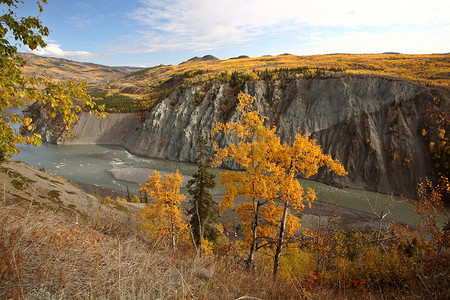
x=113, y=129
x=371, y=124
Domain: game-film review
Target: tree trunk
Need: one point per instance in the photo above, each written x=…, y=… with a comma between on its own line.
x=200, y=229
x=251, y=254
x=280, y=241
x=379, y=228
x=173, y=236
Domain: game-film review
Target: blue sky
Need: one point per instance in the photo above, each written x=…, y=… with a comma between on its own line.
x=153, y=32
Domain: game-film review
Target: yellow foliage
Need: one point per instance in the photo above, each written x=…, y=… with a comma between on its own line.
x=162, y=216
x=269, y=182
x=441, y=133
x=432, y=144
x=207, y=247
x=424, y=132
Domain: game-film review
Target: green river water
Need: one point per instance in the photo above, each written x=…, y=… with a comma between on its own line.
x=89, y=164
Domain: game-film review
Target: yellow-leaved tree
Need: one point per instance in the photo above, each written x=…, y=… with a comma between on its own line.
x=269, y=182
x=63, y=98
x=162, y=217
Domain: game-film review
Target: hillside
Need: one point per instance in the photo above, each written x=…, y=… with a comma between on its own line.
x=58, y=242
x=372, y=124
x=153, y=84
x=64, y=69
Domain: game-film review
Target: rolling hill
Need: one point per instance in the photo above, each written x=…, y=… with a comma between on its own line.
x=153, y=84
x=64, y=69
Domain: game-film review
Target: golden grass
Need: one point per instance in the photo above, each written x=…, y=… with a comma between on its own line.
x=157, y=82
x=47, y=254
x=424, y=69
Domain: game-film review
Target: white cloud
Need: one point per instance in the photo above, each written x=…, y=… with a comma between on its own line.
x=54, y=49
x=417, y=42
x=209, y=24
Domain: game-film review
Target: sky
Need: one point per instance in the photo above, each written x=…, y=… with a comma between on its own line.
x=146, y=33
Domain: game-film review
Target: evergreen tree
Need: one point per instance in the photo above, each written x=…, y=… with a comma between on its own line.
x=203, y=208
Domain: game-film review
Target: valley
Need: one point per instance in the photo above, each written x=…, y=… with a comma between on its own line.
x=383, y=120
x=282, y=150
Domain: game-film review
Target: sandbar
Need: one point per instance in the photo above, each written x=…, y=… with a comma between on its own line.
x=140, y=175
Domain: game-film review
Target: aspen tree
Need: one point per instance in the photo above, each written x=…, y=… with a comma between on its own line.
x=269, y=182
x=16, y=88
x=162, y=217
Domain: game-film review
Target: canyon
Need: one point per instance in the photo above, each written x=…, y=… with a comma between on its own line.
x=372, y=124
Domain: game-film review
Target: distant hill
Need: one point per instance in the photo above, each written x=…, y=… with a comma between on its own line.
x=240, y=57
x=64, y=69
x=153, y=84
x=197, y=59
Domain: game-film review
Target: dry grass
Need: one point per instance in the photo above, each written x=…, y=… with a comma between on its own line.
x=47, y=254
x=52, y=255
x=156, y=83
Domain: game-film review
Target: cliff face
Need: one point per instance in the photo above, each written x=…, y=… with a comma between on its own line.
x=112, y=130
x=371, y=124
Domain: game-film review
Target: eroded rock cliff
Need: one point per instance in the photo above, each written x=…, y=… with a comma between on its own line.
x=371, y=124
x=114, y=129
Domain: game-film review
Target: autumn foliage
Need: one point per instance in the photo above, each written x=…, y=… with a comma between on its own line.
x=162, y=218
x=268, y=184
x=62, y=98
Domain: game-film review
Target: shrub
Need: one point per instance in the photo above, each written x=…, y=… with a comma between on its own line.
x=119, y=103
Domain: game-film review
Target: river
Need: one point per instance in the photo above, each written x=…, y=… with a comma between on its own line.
x=89, y=164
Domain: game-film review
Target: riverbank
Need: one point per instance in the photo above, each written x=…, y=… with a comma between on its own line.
x=320, y=215
x=140, y=175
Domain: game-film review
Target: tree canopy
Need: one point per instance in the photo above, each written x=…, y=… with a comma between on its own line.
x=162, y=217
x=64, y=98
x=269, y=182
x=203, y=208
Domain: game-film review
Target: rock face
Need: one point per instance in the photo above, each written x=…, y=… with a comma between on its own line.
x=371, y=124
x=114, y=129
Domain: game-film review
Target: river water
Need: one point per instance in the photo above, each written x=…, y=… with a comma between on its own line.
x=89, y=164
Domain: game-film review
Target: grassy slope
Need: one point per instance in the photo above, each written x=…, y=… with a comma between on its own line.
x=63, y=69
x=53, y=251
x=49, y=250
x=423, y=69
x=153, y=83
